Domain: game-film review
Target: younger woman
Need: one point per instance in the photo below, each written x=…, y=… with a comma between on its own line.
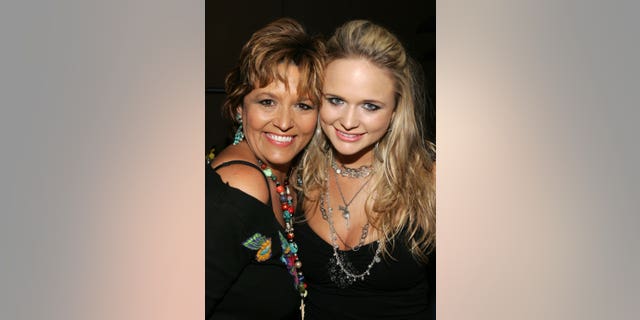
x=369, y=185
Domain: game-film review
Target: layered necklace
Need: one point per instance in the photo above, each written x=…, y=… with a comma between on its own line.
x=351, y=173
x=341, y=270
x=361, y=172
x=346, y=214
x=290, y=250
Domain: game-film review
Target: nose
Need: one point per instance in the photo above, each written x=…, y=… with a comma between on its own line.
x=349, y=118
x=283, y=120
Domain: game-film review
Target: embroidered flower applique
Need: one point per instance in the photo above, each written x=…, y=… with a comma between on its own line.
x=261, y=243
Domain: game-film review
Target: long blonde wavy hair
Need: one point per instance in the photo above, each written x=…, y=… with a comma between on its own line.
x=403, y=200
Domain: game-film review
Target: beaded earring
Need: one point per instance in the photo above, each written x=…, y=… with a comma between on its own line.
x=239, y=134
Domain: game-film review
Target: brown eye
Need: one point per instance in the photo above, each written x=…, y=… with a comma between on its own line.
x=304, y=106
x=267, y=102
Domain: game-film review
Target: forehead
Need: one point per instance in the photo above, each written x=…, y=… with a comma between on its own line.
x=285, y=78
x=359, y=78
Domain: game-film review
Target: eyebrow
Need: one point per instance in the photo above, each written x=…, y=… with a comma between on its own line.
x=371, y=101
x=268, y=94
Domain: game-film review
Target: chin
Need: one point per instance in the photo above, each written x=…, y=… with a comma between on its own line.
x=347, y=151
x=281, y=160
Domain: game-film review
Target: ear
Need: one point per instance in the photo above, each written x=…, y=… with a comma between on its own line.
x=238, y=114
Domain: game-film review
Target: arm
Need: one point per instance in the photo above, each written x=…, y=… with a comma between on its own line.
x=225, y=231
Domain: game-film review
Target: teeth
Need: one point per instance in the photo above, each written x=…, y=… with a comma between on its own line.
x=348, y=135
x=279, y=138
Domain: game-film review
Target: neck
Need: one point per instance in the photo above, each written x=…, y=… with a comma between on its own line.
x=279, y=171
x=363, y=158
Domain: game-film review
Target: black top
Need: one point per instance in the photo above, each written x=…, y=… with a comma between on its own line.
x=244, y=276
x=394, y=289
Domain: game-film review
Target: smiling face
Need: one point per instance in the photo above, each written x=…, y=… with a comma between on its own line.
x=357, y=108
x=278, y=123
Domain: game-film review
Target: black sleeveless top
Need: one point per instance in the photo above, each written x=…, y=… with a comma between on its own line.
x=244, y=276
x=394, y=289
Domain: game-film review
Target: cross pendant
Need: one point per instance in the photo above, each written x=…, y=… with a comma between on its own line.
x=345, y=213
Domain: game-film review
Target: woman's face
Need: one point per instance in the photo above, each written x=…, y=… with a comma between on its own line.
x=357, y=108
x=278, y=123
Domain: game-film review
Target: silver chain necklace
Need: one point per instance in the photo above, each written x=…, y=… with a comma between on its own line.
x=351, y=172
x=341, y=271
x=345, y=209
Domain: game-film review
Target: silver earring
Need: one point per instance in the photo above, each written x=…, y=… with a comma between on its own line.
x=376, y=151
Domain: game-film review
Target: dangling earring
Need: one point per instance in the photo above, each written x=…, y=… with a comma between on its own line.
x=239, y=134
x=376, y=151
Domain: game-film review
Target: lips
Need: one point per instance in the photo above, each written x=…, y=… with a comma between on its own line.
x=349, y=137
x=279, y=139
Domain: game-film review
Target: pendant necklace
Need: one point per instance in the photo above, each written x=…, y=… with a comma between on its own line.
x=341, y=271
x=345, y=209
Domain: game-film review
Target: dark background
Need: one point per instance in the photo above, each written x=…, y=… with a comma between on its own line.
x=229, y=24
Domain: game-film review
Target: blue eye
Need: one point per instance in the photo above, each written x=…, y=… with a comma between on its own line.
x=370, y=107
x=335, y=101
x=267, y=102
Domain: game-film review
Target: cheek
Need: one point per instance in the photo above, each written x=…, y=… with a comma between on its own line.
x=327, y=115
x=254, y=123
x=253, y=119
x=307, y=123
x=380, y=123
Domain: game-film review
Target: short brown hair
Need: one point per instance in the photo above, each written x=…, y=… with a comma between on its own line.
x=282, y=41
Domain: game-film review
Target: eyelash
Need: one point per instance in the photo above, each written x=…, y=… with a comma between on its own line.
x=304, y=106
x=370, y=107
x=335, y=101
x=367, y=106
x=270, y=103
x=266, y=102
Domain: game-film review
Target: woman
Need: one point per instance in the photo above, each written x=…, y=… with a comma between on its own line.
x=252, y=267
x=368, y=235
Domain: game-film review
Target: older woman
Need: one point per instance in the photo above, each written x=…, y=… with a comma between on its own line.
x=252, y=267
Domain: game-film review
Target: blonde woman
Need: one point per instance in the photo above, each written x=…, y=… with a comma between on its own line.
x=367, y=225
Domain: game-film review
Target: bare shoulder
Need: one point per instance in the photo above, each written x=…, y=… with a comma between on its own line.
x=242, y=176
x=246, y=178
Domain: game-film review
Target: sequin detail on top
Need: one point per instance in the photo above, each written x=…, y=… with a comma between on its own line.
x=261, y=243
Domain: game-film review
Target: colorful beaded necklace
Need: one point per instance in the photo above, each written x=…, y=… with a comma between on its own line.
x=290, y=252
